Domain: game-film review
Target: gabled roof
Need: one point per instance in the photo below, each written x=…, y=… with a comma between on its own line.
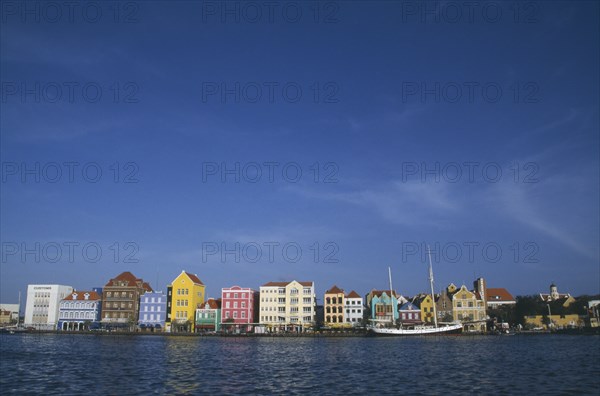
x=213, y=304
x=498, y=294
x=421, y=297
x=284, y=284
x=353, y=294
x=334, y=290
x=80, y=296
x=193, y=277
x=409, y=307
x=127, y=277
x=378, y=293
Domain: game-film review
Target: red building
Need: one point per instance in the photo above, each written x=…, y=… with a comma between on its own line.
x=239, y=305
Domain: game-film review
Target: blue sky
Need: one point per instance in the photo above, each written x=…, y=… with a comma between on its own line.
x=393, y=100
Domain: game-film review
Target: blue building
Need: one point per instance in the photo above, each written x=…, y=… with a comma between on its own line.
x=153, y=311
x=80, y=310
x=410, y=314
x=383, y=308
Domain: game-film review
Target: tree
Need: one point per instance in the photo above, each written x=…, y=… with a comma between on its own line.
x=86, y=324
x=529, y=306
x=131, y=322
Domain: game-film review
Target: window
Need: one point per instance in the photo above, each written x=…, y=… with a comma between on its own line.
x=243, y=304
x=235, y=295
x=235, y=314
x=243, y=314
x=235, y=304
x=227, y=304
x=243, y=295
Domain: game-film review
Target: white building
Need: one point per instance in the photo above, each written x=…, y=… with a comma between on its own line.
x=353, y=304
x=288, y=305
x=79, y=310
x=43, y=303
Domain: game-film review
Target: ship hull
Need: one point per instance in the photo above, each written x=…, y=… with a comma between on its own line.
x=421, y=331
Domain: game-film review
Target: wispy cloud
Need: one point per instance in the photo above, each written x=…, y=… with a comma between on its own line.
x=397, y=202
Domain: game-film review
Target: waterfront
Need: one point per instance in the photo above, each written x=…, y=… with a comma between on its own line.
x=75, y=364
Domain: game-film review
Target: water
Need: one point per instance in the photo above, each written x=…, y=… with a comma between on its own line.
x=122, y=365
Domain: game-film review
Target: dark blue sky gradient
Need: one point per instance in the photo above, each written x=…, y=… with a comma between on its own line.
x=374, y=128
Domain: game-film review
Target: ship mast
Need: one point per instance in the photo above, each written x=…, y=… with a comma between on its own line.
x=19, y=310
x=431, y=284
x=391, y=294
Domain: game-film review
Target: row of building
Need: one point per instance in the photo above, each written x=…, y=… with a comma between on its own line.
x=128, y=302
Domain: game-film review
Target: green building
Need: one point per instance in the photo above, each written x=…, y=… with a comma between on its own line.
x=208, y=316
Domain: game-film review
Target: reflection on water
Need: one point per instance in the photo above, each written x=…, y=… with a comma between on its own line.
x=71, y=364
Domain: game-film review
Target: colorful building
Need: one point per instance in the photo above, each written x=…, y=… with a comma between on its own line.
x=443, y=304
x=334, y=308
x=469, y=308
x=184, y=295
x=383, y=307
x=121, y=300
x=14, y=311
x=409, y=314
x=239, y=306
x=80, y=310
x=555, y=321
x=43, y=304
x=288, y=306
x=354, y=306
x=153, y=311
x=5, y=316
x=493, y=296
x=425, y=304
x=208, y=316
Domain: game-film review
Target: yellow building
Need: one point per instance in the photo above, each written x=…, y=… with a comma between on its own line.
x=334, y=308
x=184, y=295
x=469, y=308
x=426, y=304
x=556, y=321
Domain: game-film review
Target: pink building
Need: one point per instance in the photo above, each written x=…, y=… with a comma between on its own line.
x=238, y=305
